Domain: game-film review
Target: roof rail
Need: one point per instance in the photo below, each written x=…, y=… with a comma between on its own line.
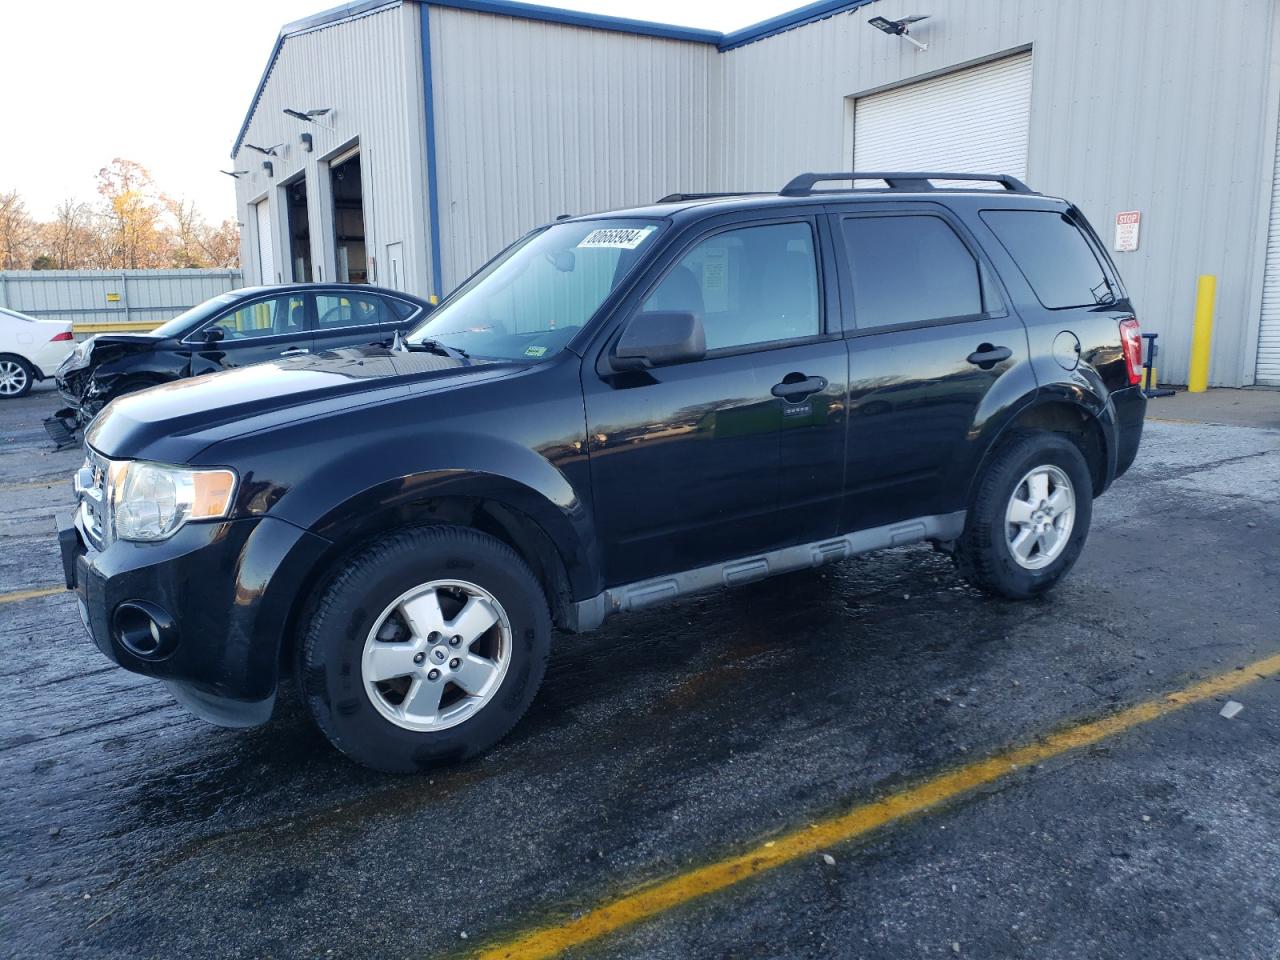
x=802, y=186
x=678, y=197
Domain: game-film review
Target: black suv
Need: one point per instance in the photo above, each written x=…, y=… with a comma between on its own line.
x=618, y=410
x=233, y=329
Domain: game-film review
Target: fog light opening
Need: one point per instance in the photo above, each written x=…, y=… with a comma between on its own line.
x=145, y=630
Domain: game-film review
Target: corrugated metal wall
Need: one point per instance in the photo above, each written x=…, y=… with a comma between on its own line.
x=84, y=297
x=369, y=71
x=538, y=119
x=1164, y=107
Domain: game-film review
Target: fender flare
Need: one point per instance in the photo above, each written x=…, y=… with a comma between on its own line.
x=338, y=500
x=1088, y=403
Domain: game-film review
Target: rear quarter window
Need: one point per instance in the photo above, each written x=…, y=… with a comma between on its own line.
x=910, y=268
x=1053, y=255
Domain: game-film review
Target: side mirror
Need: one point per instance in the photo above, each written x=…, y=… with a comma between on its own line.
x=660, y=338
x=214, y=334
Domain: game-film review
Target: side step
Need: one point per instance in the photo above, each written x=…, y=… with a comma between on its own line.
x=733, y=573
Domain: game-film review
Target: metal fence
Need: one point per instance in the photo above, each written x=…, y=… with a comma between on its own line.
x=100, y=300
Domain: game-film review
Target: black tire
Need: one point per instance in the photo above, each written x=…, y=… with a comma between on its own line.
x=330, y=655
x=22, y=369
x=983, y=554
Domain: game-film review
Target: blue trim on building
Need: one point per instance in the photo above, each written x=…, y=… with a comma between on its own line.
x=531, y=11
x=433, y=195
x=595, y=21
x=788, y=21
x=333, y=15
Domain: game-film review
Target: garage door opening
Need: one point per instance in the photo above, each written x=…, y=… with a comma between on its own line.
x=348, y=220
x=971, y=121
x=299, y=231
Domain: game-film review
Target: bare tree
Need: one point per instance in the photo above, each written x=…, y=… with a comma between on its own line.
x=221, y=244
x=17, y=232
x=134, y=227
x=70, y=239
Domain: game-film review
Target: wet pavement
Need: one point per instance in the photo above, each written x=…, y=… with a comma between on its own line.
x=675, y=737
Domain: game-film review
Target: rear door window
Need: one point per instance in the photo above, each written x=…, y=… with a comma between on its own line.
x=334, y=311
x=910, y=268
x=1053, y=255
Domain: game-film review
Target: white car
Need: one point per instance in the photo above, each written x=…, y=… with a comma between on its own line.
x=30, y=350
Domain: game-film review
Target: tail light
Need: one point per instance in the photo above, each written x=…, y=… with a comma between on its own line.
x=1131, y=343
x=62, y=337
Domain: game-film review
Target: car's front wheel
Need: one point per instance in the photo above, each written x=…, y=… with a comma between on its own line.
x=1030, y=517
x=428, y=647
x=16, y=377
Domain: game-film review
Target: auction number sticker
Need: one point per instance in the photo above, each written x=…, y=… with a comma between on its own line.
x=617, y=238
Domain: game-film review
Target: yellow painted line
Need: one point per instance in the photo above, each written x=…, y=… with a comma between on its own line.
x=111, y=327
x=30, y=594
x=650, y=901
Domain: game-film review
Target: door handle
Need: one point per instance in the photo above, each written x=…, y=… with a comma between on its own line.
x=987, y=356
x=796, y=386
x=294, y=351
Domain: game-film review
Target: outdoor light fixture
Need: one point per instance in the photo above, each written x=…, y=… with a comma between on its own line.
x=266, y=165
x=308, y=115
x=268, y=151
x=900, y=28
x=234, y=174
x=306, y=142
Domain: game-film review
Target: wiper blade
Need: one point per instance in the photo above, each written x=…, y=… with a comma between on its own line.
x=435, y=346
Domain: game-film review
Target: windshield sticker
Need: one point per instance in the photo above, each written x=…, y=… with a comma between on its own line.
x=535, y=351
x=618, y=238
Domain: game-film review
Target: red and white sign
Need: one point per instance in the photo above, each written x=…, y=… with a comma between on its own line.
x=1127, y=225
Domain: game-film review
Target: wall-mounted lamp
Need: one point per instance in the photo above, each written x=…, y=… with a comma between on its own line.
x=266, y=165
x=308, y=115
x=900, y=28
x=306, y=142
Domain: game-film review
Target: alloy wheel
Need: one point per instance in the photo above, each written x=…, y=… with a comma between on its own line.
x=436, y=655
x=13, y=378
x=1039, y=517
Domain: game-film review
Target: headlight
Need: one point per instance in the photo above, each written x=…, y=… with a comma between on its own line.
x=77, y=358
x=151, y=501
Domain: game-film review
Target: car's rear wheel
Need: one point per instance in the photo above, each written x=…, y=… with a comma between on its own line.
x=16, y=377
x=428, y=647
x=1030, y=517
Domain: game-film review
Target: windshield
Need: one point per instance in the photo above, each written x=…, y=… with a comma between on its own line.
x=531, y=301
x=180, y=324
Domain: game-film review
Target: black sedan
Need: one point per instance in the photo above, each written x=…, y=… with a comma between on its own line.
x=234, y=329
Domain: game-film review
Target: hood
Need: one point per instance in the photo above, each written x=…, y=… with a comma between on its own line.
x=106, y=346
x=174, y=421
x=137, y=340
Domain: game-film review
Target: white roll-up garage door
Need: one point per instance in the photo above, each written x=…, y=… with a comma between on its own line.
x=266, y=262
x=1269, y=333
x=971, y=121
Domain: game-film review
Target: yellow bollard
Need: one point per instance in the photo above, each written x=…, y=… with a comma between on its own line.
x=1202, y=334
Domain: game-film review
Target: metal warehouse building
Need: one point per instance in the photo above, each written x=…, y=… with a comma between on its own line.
x=451, y=127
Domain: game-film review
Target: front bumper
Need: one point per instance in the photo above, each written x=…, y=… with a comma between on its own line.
x=229, y=588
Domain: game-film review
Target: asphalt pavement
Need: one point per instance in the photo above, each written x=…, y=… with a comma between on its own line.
x=677, y=738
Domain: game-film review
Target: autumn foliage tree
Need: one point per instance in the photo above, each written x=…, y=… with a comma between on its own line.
x=133, y=226
x=133, y=236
